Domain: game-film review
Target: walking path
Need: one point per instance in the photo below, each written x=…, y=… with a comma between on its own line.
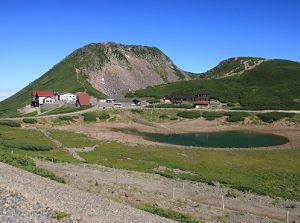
x=82, y=206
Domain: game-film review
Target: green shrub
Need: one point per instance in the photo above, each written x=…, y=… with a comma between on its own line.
x=230, y=104
x=30, y=120
x=295, y=118
x=137, y=111
x=130, y=95
x=168, y=213
x=236, y=116
x=60, y=215
x=164, y=116
x=189, y=114
x=10, y=123
x=104, y=116
x=68, y=118
x=27, y=164
x=235, y=119
x=270, y=117
x=15, y=160
x=153, y=101
x=232, y=193
x=44, y=173
x=212, y=115
x=89, y=117
x=25, y=145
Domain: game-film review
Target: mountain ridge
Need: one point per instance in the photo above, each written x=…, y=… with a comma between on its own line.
x=116, y=68
x=102, y=69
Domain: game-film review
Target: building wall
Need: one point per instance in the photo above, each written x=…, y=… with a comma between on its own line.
x=67, y=97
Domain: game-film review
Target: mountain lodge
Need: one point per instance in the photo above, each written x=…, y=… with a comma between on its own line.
x=202, y=98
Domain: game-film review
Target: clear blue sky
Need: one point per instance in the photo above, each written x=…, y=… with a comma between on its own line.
x=195, y=34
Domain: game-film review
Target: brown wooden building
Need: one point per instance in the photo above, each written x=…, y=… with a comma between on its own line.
x=178, y=99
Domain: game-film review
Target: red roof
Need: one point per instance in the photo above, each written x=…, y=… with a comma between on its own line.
x=43, y=93
x=83, y=99
x=201, y=102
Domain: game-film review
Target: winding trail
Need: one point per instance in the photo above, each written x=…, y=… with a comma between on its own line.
x=71, y=151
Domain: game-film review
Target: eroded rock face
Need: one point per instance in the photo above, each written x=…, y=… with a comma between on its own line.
x=114, y=68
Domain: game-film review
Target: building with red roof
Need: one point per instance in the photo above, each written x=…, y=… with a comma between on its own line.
x=38, y=97
x=83, y=98
x=199, y=104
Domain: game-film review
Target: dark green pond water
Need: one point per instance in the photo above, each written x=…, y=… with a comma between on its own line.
x=230, y=139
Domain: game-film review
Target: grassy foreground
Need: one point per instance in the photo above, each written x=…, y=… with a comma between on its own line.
x=267, y=172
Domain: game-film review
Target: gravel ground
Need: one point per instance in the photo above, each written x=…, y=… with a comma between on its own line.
x=26, y=197
x=16, y=208
x=199, y=199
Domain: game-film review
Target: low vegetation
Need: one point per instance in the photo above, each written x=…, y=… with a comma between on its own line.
x=10, y=123
x=17, y=137
x=168, y=213
x=90, y=116
x=68, y=118
x=30, y=120
x=189, y=114
x=295, y=118
x=212, y=115
x=60, y=215
x=73, y=140
x=270, y=117
x=236, y=116
x=103, y=116
x=97, y=115
x=266, y=172
x=28, y=165
x=25, y=145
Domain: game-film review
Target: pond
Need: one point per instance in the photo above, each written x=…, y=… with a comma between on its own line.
x=226, y=139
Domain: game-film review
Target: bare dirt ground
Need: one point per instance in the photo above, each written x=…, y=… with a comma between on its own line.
x=207, y=203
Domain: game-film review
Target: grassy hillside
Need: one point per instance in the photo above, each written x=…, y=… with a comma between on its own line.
x=273, y=84
x=231, y=66
x=61, y=78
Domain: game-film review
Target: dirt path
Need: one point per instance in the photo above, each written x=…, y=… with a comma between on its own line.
x=199, y=199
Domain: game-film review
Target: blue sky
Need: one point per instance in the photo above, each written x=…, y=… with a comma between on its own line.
x=195, y=34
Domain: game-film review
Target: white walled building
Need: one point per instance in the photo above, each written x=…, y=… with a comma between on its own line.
x=67, y=97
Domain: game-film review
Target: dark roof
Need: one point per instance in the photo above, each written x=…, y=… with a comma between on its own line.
x=43, y=93
x=136, y=101
x=83, y=99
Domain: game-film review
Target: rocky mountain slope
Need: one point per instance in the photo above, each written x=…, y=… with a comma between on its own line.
x=115, y=68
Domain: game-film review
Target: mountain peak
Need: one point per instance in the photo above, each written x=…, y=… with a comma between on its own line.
x=114, y=68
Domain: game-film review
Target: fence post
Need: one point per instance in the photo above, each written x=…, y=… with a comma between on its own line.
x=223, y=204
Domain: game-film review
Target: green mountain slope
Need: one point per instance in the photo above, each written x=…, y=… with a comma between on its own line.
x=233, y=66
x=61, y=78
x=273, y=84
x=101, y=69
